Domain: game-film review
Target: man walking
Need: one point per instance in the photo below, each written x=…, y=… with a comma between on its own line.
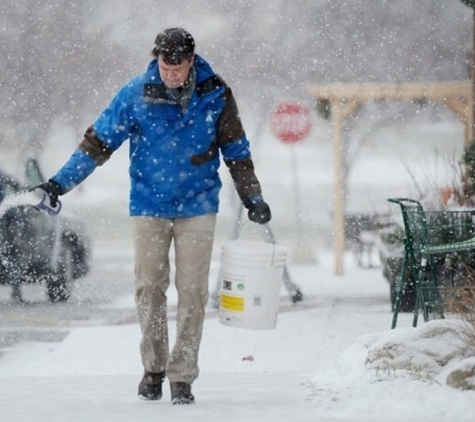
x=178, y=117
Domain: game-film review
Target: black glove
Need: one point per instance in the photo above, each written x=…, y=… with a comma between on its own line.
x=53, y=189
x=259, y=211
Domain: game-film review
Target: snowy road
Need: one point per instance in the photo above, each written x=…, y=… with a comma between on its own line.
x=39, y=320
x=105, y=297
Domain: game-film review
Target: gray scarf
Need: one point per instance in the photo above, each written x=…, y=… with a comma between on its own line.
x=183, y=94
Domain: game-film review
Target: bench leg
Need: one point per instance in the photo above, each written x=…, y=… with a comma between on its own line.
x=420, y=302
x=420, y=299
x=436, y=298
x=400, y=287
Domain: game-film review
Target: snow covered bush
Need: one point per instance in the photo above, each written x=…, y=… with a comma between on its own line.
x=420, y=353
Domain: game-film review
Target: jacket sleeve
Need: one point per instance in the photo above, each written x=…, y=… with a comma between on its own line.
x=245, y=180
x=79, y=166
x=234, y=145
x=95, y=149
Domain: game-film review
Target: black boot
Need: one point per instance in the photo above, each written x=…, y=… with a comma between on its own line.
x=181, y=393
x=150, y=386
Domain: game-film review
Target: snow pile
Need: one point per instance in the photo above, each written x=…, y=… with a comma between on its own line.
x=462, y=375
x=435, y=351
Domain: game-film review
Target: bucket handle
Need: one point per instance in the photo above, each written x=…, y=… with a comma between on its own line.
x=269, y=235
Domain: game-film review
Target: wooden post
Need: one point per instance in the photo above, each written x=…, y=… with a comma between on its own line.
x=346, y=98
x=339, y=186
x=463, y=111
x=472, y=123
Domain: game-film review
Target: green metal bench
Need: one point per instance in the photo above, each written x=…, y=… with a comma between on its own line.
x=430, y=235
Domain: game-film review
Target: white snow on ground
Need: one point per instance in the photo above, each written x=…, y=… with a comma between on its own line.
x=332, y=357
x=324, y=361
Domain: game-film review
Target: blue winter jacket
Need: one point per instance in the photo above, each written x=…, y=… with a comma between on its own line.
x=174, y=152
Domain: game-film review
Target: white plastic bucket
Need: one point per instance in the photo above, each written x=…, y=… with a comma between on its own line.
x=251, y=280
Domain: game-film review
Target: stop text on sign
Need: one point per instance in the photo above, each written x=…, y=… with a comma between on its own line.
x=291, y=122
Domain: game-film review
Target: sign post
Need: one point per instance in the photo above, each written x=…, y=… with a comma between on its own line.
x=292, y=122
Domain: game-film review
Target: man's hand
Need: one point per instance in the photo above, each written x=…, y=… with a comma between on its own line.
x=53, y=189
x=259, y=211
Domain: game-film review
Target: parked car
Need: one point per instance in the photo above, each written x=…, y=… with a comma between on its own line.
x=36, y=247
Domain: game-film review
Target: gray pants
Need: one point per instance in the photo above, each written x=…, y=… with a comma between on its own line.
x=193, y=242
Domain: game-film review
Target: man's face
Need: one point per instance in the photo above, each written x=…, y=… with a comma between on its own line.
x=174, y=75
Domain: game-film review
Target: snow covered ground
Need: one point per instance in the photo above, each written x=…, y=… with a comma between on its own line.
x=310, y=367
x=322, y=361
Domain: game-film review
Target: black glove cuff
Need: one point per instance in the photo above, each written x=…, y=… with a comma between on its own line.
x=252, y=201
x=52, y=187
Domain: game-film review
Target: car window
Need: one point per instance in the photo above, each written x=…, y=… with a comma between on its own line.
x=7, y=186
x=34, y=176
x=9, y=189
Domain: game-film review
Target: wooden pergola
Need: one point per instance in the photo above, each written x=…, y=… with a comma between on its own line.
x=344, y=100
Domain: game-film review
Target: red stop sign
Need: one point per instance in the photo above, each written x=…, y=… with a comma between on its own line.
x=291, y=122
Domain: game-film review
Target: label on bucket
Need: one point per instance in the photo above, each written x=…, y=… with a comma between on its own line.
x=231, y=303
x=249, y=297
